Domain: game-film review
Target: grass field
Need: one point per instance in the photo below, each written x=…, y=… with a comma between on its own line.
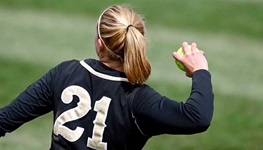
x=35, y=36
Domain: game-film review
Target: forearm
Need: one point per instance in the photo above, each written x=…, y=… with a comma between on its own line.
x=201, y=99
x=198, y=109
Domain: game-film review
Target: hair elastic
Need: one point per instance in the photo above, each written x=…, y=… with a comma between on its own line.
x=128, y=27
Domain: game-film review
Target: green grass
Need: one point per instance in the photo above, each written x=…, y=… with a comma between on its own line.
x=35, y=36
x=242, y=17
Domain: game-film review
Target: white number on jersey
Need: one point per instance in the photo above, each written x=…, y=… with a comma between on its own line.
x=82, y=109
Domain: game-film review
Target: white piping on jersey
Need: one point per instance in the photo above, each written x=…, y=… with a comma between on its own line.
x=135, y=121
x=101, y=75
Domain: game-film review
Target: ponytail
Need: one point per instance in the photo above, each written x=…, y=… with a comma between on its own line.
x=136, y=65
x=122, y=32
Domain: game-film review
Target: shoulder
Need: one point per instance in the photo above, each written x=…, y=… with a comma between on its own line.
x=65, y=68
x=145, y=91
x=74, y=63
x=145, y=95
x=68, y=63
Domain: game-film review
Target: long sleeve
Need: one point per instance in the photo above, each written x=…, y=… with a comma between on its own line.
x=31, y=103
x=156, y=114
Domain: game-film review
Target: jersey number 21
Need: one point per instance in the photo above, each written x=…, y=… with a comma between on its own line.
x=83, y=107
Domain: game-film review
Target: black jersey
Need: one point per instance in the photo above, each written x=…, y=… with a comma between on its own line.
x=95, y=107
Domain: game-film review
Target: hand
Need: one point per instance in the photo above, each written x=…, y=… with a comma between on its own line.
x=193, y=60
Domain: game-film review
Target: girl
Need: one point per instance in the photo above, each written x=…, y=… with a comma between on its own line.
x=104, y=104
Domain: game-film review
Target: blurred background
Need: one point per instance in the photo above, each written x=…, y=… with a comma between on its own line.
x=37, y=35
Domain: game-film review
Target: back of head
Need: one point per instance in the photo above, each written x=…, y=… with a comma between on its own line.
x=122, y=32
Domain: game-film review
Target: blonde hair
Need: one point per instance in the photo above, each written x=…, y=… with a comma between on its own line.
x=122, y=32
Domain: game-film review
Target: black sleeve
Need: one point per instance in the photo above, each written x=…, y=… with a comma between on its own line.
x=156, y=114
x=34, y=101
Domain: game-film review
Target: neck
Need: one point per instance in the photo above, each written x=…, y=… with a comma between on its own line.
x=116, y=65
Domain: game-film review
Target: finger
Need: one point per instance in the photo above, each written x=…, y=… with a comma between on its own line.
x=177, y=56
x=185, y=48
x=193, y=47
x=200, y=51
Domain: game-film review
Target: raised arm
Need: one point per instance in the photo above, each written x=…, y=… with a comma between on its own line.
x=156, y=114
